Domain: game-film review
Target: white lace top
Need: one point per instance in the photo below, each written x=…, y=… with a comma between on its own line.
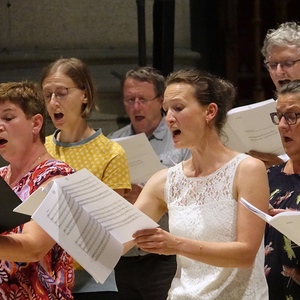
x=203, y=208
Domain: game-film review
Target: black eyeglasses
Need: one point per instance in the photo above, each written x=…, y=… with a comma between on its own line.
x=290, y=117
x=287, y=64
x=60, y=93
x=131, y=102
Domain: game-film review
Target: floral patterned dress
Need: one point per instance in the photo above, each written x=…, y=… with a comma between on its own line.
x=282, y=261
x=50, y=278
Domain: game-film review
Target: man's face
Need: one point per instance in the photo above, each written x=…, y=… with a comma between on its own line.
x=142, y=105
x=281, y=73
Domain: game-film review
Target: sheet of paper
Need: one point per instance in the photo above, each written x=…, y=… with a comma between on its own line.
x=287, y=222
x=142, y=160
x=78, y=233
x=30, y=206
x=250, y=127
x=9, y=200
x=89, y=220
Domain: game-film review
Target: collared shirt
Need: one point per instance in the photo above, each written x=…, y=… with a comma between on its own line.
x=161, y=141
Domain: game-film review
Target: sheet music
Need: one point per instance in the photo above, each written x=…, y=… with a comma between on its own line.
x=89, y=220
x=288, y=222
x=142, y=160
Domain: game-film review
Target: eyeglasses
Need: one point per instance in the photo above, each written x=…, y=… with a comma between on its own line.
x=60, y=94
x=131, y=102
x=290, y=117
x=287, y=64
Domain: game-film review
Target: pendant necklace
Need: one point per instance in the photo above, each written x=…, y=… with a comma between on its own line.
x=8, y=174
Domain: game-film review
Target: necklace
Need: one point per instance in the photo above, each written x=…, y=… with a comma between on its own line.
x=8, y=174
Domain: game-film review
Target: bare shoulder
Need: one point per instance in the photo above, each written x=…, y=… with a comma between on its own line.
x=250, y=164
x=157, y=181
x=251, y=172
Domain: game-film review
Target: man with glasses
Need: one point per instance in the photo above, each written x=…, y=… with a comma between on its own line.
x=140, y=275
x=281, y=52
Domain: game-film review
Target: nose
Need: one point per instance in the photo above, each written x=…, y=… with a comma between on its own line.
x=137, y=104
x=169, y=117
x=283, y=123
x=279, y=70
x=53, y=99
x=1, y=128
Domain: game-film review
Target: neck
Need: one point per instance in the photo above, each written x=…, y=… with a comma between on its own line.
x=149, y=131
x=18, y=169
x=75, y=134
x=204, y=161
x=292, y=167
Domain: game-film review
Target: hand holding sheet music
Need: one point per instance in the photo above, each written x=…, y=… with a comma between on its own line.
x=87, y=218
x=288, y=222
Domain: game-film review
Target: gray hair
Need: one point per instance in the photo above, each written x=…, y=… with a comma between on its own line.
x=292, y=87
x=147, y=74
x=286, y=35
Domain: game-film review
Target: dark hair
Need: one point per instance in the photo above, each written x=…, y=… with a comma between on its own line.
x=78, y=71
x=208, y=89
x=286, y=35
x=28, y=96
x=148, y=74
x=292, y=87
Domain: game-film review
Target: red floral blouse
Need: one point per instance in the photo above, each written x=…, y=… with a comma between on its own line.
x=53, y=276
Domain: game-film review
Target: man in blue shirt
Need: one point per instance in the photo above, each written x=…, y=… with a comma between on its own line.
x=140, y=275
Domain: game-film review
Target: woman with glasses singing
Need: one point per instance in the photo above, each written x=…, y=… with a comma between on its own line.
x=282, y=262
x=69, y=94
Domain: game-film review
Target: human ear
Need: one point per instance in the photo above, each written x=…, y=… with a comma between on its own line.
x=37, y=123
x=85, y=99
x=211, y=112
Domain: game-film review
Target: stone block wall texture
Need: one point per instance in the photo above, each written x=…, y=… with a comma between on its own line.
x=103, y=33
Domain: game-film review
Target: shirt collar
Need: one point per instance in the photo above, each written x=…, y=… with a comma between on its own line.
x=158, y=133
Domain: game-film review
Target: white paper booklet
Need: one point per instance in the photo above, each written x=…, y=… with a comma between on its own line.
x=288, y=222
x=250, y=127
x=142, y=160
x=87, y=218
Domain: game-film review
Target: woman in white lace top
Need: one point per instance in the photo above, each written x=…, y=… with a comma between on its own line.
x=218, y=242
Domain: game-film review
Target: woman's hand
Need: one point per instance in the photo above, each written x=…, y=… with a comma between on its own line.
x=275, y=211
x=156, y=241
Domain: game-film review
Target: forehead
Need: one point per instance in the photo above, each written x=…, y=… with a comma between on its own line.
x=136, y=86
x=288, y=100
x=9, y=107
x=179, y=92
x=281, y=53
x=57, y=79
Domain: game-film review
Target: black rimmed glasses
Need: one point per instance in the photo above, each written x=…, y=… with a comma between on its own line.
x=287, y=64
x=60, y=93
x=131, y=102
x=290, y=117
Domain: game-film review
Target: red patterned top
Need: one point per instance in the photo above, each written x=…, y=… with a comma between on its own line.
x=53, y=276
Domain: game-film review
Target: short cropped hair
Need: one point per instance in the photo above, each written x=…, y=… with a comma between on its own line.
x=147, y=74
x=292, y=87
x=28, y=96
x=287, y=35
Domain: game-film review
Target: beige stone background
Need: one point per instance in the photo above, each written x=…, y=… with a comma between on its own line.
x=104, y=33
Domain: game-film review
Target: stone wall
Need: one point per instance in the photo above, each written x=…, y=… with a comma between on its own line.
x=101, y=32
